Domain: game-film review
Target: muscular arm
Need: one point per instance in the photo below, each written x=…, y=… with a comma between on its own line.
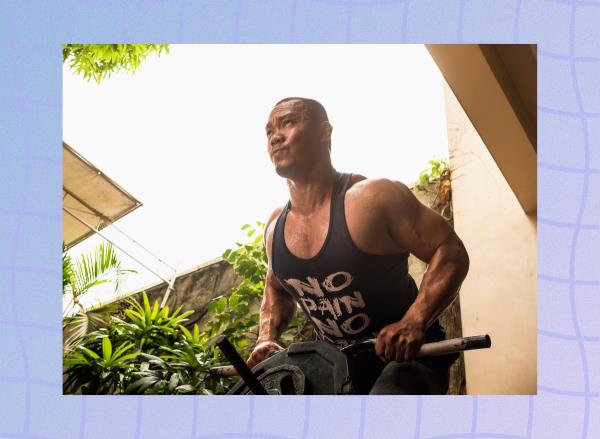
x=276, y=310
x=429, y=237
x=277, y=307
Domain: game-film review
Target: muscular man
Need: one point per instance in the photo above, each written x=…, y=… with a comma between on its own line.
x=339, y=249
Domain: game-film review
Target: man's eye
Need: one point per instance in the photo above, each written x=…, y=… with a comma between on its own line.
x=287, y=122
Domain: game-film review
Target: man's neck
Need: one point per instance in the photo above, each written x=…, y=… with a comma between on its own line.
x=309, y=193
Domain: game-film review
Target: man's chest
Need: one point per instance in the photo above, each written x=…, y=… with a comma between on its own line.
x=305, y=236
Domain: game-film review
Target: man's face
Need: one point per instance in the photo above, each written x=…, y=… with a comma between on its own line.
x=293, y=138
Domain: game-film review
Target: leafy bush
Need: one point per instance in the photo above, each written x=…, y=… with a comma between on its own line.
x=102, y=372
x=100, y=266
x=156, y=354
x=99, y=61
x=80, y=276
x=152, y=327
x=437, y=169
x=236, y=316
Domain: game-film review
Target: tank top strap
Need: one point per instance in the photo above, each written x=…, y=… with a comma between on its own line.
x=341, y=186
x=339, y=191
x=338, y=217
x=277, y=253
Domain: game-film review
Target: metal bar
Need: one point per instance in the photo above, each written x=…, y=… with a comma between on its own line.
x=240, y=365
x=86, y=205
x=141, y=246
x=103, y=236
x=454, y=345
x=169, y=289
x=439, y=347
x=427, y=350
x=109, y=222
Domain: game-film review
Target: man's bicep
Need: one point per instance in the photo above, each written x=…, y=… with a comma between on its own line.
x=273, y=283
x=277, y=296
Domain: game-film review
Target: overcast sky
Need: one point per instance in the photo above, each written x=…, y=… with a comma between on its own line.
x=185, y=135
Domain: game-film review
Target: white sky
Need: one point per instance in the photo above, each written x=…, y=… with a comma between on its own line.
x=185, y=135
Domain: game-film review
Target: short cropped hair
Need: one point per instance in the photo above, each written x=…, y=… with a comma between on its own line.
x=316, y=110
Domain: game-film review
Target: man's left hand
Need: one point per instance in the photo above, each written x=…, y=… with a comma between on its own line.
x=400, y=341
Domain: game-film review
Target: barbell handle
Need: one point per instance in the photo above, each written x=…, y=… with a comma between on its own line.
x=427, y=350
x=437, y=348
x=454, y=345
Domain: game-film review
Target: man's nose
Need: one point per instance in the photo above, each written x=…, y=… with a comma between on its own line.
x=276, y=138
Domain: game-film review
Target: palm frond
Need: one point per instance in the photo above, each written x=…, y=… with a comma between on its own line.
x=83, y=323
x=98, y=267
x=68, y=273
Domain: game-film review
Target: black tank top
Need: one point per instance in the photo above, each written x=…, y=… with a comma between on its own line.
x=348, y=294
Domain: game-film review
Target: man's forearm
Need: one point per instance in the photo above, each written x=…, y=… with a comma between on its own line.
x=276, y=312
x=445, y=273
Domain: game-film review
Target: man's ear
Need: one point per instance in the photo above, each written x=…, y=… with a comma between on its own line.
x=326, y=130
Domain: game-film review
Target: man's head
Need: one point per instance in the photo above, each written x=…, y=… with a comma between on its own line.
x=315, y=109
x=298, y=135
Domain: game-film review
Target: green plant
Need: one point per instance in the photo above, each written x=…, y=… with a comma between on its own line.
x=77, y=326
x=172, y=359
x=80, y=276
x=438, y=172
x=99, y=266
x=236, y=316
x=169, y=359
x=99, y=61
x=437, y=169
x=151, y=327
x=105, y=372
x=165, y=378
x=68, y=273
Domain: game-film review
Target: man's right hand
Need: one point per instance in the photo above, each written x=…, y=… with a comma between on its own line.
x=262, y=351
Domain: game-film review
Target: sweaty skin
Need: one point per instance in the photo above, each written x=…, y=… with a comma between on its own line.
x=383, y=217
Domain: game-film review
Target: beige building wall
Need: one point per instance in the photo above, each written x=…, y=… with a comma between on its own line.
x=498, y=296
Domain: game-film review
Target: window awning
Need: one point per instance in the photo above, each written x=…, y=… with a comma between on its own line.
x=89, y=196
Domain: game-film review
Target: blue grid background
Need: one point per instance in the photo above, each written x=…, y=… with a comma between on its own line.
x=568, y=34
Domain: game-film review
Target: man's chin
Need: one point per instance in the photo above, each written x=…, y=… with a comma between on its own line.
x=283, y=170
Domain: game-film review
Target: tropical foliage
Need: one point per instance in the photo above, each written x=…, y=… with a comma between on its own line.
x=236, y=316
x=100, y=266
x=146, y=349
x=99, y=370
x=80, y=276
x=99, y=61
x=152, y=348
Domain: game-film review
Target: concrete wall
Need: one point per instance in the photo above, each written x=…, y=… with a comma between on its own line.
x=195, y=287
x=498, y=296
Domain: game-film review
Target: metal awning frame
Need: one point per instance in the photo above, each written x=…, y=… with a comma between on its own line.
x=93, y=230
x=105, y=221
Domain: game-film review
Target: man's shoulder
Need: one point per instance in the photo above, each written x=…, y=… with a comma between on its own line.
x=269, y=229
x=270, y=224
x=361, y=186
x=276, y=212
